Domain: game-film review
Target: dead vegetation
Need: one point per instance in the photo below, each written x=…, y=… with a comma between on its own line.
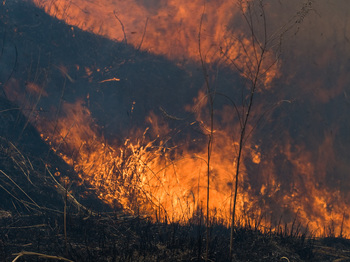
x=41, y=221
x=109, y=237
x=44, y=217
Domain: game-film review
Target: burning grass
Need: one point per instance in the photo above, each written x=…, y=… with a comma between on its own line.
x=154, y=184
x=163, y=181
x=40, y=220
x=159, y=177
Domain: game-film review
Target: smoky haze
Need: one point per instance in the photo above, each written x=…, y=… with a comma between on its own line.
x=130, y=65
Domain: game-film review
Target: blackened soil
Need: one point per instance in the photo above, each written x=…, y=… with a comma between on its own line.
x=116, y=237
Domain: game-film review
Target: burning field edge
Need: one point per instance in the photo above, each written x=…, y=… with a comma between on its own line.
x=59, y=202
x=61, y=227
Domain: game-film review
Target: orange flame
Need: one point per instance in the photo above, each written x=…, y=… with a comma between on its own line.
x=148, y=176
x=153, y=179
x=144, y=176
x=173, y=29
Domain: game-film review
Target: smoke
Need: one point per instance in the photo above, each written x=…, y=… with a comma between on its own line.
x=127, y=65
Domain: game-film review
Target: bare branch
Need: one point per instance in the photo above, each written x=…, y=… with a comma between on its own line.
x=122, y=25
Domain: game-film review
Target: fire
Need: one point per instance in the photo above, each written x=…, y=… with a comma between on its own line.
x=150, y=174
x=170, y=29
x=151, y=178
x=143, y=26
x=143, y=176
